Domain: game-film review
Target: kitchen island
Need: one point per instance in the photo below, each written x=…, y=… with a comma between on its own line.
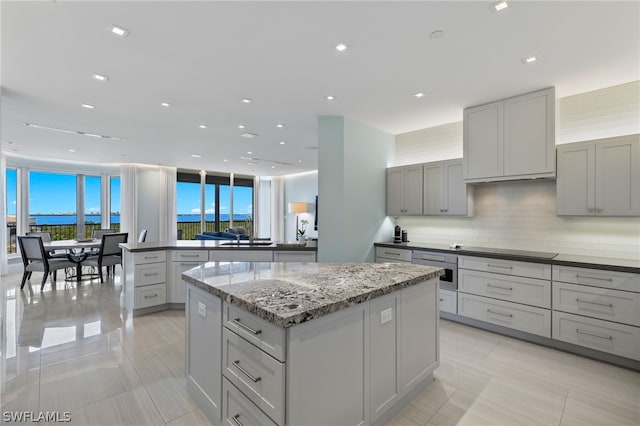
x=309, y=344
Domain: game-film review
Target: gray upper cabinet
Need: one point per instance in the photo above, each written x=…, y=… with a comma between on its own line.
x=445, y=192
x=404, y=190
x=510, y=139
x=599, y=178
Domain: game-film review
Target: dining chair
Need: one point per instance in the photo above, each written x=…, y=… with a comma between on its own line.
x=143, y=236
x=35, y=258
x=46, y=238
x=110, y=253
x=98, y=233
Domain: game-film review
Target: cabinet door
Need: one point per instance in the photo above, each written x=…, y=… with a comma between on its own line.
x=395, y=191
x=454, y=190
x=482, y=141
x=177, y=287
x=413, y=190
x=618, y=177
x=419, y=333
x=529, y=143
x=432, y=197
x=576, y=180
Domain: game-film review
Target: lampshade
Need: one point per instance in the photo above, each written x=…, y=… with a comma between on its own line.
x=297, y=207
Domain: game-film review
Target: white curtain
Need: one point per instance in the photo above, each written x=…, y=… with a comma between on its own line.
x=129, y=200
x=4, y=265
x=277, y=208
x=167, y=218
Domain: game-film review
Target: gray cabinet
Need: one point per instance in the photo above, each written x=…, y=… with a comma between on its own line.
x=510, y=139
x=181, y=261
x=404, y=190
x=600, y=178
x=445, y=192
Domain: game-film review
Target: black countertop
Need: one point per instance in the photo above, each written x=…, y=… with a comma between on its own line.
x=612, y=264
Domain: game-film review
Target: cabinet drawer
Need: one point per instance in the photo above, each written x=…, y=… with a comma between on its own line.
x=618, y=339
x=515, y=289
x=150, y=257
x=241, y=255
x=541, y=271
x=258, y=375
x=190, y=255
x=402, y=255
x=606, y=304
x=597, y=278
x=448, y=301
x=151, y=273
x=261, y=333
x=238, y=410
x=519, y=317
x=150, y=295
x=294, y=256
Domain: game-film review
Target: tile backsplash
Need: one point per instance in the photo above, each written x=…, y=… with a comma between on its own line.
x=521, y=215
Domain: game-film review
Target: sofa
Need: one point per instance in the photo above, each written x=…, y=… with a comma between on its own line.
x=209, y=235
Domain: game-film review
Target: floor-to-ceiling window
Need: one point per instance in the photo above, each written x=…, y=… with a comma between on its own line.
x=92, y=204
x=213, y=212
x=11, y=203
x=52, y=204
x=114, y=202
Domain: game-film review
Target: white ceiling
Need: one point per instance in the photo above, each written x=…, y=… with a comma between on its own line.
x=204, y=57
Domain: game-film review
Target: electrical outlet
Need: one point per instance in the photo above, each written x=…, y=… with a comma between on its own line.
x=386, y=316
x=202, y=309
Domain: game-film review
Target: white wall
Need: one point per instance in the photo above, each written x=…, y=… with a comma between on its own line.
x=522, y=215
x=351, y=180
x=302, y=188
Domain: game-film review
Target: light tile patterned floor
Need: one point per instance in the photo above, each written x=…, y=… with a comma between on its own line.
x=72, y=348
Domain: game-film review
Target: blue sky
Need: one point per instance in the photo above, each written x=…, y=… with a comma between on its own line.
x=55, y=193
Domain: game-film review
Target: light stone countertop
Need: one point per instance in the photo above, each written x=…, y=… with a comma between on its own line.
x=286, y=294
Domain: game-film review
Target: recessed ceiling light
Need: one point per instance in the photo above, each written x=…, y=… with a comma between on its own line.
x=249, y=152
x=241, y=126
x=246, y=100
x=341, y=47
x=299, y=161
x=501, y=5
x=99, y=77
x=273, y=167
x=436, y=34
x=281, y=142
x=88, y=106
x=71, y=150
x=251, y=164
x=202, y=126
x=330, y=98
x=279, y=125
x=248, y=135
x=165, y=104
x=196, y=155
x=225, y=160
x=529, y=59
x=418, y=95
x=119, y=31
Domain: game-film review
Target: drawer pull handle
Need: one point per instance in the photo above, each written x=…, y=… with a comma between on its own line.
x=499, y=286
x=608, y=305
x=150, y=275
x=188, y=264
x=150, y=257
x=499, y=313
x=593, y=278
x=151, y=297
x=189, y=255
x=246, y=327
x=442, y=300
x=236, y=421
x=588, y=333
x=499, y=266
x=394, y=254
x=236, y=363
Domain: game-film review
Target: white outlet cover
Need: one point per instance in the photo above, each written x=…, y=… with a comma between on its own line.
x=386, y=316
x=202, y=309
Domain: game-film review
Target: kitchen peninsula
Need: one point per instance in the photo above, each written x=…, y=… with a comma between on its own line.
x=315, y=343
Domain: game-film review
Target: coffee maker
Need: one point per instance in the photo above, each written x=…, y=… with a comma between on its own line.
x=397, y=234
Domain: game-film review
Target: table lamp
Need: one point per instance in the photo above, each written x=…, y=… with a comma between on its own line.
x=297, y=208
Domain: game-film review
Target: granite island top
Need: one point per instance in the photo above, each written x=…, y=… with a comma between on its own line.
x=218, y=245
x=286, y=294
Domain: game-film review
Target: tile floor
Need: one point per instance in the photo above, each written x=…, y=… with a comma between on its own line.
x=71, y=348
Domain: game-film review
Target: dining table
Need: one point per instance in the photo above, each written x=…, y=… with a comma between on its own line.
x=77, y=250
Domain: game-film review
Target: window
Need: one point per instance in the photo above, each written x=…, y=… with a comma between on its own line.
x=11, y=208
x=52, y=204
x=216, y=211
x=114, y=202
x=92, y=204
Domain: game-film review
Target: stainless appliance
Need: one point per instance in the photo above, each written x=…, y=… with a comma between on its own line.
x=449, y=278
x=397, y=234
